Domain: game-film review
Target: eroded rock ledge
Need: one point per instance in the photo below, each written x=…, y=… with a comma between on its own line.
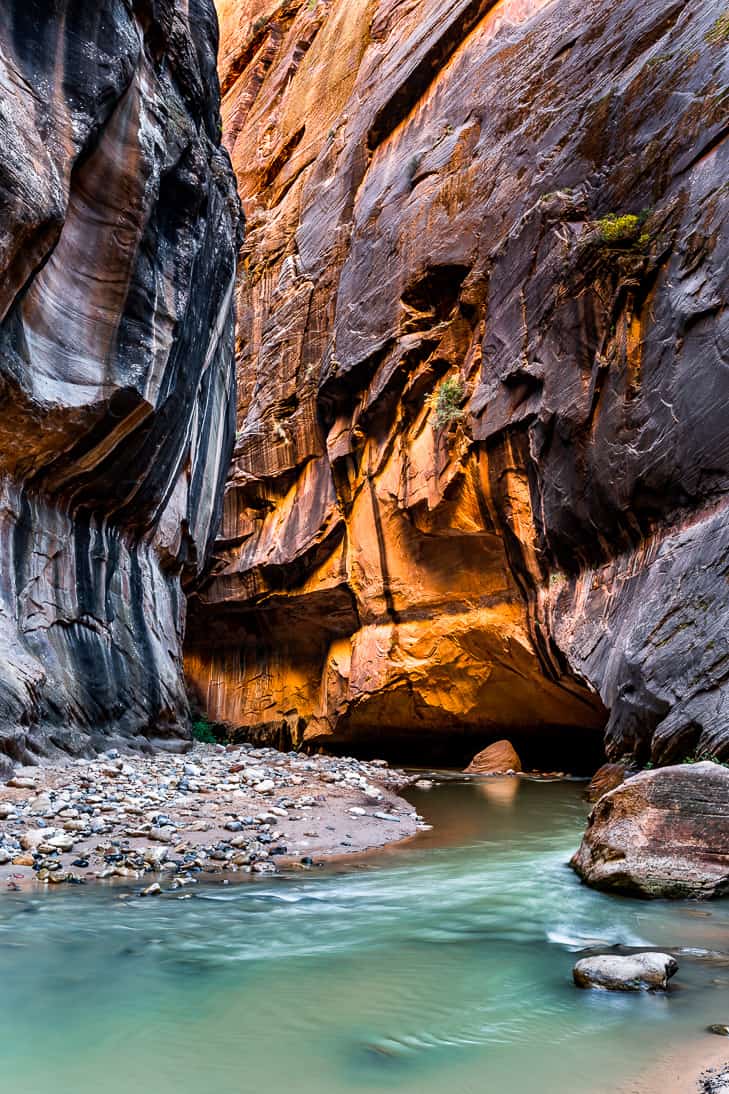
x=479, y=485
x=118, y=238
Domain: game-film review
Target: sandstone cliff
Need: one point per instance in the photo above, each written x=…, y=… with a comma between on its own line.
x=118, y=237
x=479, y=485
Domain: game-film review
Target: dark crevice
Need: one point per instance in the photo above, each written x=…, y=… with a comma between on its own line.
x=573, y=750
x=415, y=81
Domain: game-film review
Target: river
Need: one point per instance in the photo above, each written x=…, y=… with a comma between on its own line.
x=440, y=967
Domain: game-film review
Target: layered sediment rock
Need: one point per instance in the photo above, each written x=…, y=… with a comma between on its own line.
x=662, y=833
x=500, y=758
x=118, y=237
x=606, y=778
x=479, y=486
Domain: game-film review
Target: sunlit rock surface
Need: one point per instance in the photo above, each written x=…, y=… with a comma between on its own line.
x=498, y=759
x=118, y=236
x=481, y=465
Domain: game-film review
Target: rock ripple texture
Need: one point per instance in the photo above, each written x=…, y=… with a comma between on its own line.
x=118, y=239
x=498, y=759
x=662, y=833
x=480, y=481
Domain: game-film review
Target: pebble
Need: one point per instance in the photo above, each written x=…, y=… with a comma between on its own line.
x=127, y=818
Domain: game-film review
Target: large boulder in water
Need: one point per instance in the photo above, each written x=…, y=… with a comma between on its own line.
x=497, y=759
x=662, y=833
x=636, y=972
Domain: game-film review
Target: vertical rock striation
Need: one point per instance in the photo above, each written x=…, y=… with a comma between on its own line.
x=118, y=238
x=481, y=470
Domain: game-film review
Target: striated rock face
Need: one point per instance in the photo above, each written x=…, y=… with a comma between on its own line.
x=606, y=778
x=498, y=759
x=662, y=833
x=118, y=236
x=479, y=486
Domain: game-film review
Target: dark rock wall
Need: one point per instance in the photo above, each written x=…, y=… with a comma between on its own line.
x=118, y=240
x=430, y=199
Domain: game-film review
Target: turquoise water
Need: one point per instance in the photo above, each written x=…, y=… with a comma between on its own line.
x=438, y=968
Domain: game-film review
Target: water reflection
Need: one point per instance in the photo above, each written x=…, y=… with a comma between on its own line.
x=499, y=789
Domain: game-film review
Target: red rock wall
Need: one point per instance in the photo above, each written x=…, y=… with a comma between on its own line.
x=482, y=452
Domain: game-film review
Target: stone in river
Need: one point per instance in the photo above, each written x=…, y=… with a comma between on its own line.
x=637, y=972
x=605, y=779
x=498, y=759
x=662, y=833
x=152, y=890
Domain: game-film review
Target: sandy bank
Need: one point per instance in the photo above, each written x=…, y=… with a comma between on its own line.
x=213, y=811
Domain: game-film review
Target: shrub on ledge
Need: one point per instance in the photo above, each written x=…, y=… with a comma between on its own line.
x=446, y=402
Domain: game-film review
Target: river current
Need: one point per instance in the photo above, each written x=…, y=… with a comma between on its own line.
x=440, y=967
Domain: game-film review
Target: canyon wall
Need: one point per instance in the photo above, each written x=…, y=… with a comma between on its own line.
x=118, y=239
x=479, y=483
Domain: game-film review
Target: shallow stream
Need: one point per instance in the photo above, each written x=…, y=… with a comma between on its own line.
x=441, y=967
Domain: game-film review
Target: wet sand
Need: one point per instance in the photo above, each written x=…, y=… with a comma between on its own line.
x=698, y=1066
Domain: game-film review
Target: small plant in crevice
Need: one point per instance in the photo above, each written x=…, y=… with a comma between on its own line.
x=623, y=230
x=659, y=59
x=260, y=23
x=446, y=401
x=204, y=731
x=719, y=31
x=703, y=757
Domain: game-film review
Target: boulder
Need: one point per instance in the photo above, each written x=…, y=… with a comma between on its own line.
x=605, y=779
x=636, y=972
x=662, y=833
x=497, y=759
